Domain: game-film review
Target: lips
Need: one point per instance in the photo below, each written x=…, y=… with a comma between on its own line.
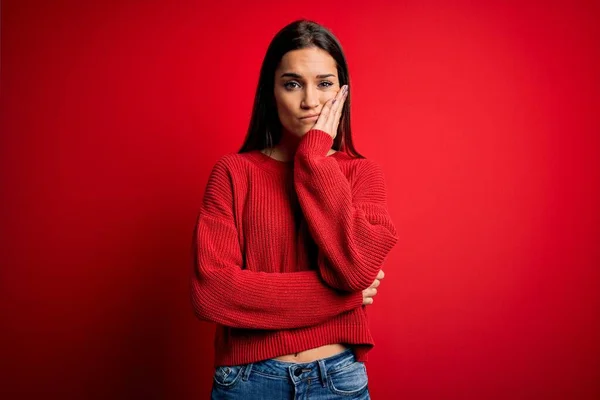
x=309, y=116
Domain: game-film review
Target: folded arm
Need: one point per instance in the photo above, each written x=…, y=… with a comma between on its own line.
x=350, y=223
x=223, y=292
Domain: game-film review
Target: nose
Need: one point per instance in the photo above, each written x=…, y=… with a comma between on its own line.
x=311, y=98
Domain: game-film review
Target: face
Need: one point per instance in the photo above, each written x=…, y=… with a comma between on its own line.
x=304, y=81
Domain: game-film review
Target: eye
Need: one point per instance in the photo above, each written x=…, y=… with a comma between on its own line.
x=288, y=85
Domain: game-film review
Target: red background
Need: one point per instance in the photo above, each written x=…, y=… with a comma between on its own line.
x=484, y=117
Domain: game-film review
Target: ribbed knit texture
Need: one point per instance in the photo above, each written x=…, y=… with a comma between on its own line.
x=283, y=251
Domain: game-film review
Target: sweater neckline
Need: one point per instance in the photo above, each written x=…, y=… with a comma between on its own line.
x=272, y=164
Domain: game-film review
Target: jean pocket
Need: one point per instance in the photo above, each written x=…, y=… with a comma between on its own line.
x=349, y=380
x=227, y=376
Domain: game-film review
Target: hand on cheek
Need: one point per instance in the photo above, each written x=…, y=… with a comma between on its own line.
x=331, y=113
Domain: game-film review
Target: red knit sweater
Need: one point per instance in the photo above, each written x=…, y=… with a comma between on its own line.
x=283, y=251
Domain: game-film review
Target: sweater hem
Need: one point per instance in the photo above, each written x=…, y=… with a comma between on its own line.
x=243, y=346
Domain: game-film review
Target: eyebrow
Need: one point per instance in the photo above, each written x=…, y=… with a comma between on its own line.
x=295, y=75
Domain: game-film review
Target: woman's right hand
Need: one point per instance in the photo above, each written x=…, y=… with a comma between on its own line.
x=371, y=291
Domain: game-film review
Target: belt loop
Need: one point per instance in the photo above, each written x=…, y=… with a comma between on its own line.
x=246, y=372
x=323, y=372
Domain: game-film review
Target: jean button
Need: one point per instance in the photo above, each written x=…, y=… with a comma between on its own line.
x=298, y=372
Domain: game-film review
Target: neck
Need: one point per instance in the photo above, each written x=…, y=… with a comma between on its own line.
x=287, y=145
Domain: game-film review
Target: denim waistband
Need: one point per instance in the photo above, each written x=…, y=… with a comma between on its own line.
x=297, y=372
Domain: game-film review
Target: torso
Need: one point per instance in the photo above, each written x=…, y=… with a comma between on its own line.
x=316, y=353
x=278, y=157
x=313, y=354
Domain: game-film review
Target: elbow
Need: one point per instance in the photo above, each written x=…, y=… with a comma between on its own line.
x=349, y=275
x=345, y=282
x=359, y=283
x=200, y=305
x=200, y=311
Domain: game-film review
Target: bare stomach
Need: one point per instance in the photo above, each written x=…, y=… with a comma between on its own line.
x=313, y=354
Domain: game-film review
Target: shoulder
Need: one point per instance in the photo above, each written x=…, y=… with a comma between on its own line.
x=228, y=162
x=219, y=190
x=222, y=173
x=359, y=168
x=230, y=166
x=366, y=178
x=371, y=170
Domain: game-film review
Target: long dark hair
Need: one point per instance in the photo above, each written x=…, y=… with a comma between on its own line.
x=265, y=128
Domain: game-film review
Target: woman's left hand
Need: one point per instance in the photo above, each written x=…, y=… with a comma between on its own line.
x=331, y=113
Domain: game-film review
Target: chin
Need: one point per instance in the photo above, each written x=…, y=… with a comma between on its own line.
x=304, y=131
x=297, y=131
x=305, y=128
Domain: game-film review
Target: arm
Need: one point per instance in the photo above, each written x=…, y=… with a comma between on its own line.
x=349, y=223
x=223, y=292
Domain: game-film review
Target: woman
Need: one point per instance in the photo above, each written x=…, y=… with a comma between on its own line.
x=291, y=235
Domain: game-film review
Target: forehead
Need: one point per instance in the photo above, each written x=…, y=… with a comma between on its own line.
x=309, y=62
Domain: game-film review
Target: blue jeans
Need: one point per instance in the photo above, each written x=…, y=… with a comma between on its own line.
x=337, y=377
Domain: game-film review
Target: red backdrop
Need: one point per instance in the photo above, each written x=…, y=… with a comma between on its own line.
x=484, y=117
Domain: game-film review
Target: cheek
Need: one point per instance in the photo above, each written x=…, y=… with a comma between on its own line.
x=328, y=96
x=285, y=107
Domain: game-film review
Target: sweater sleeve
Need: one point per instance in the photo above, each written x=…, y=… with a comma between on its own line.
x=349, y=222
x=222, y=291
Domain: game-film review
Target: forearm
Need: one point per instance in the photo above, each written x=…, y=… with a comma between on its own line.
x=224, y=293
x=350, y=224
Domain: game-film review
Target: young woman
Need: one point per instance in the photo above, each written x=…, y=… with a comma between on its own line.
x=292, y=233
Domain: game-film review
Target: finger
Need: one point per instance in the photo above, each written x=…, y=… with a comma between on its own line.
x=334, y=120
x=380, y=275
x=327, y=118
x=339, y=111
x=339, y=96
x=336, y=105
x=340, y=102
x=329, y=108
x=323, y=116
x=376, y=283
x=369, y=292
